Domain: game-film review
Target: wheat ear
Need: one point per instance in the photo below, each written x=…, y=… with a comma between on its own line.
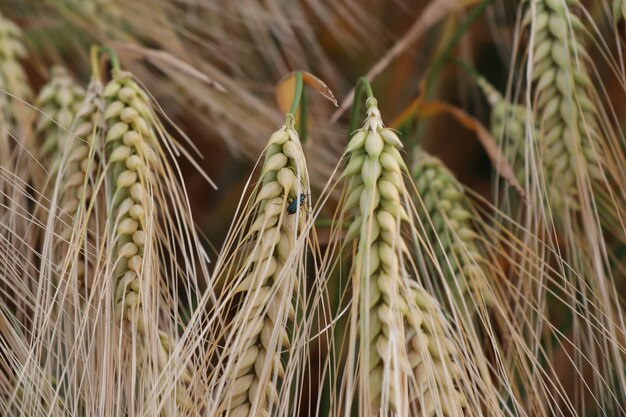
x=129, y=141
x=564, y=105
x=134, y=158
x=395, y=368
x=268, y=283
x=453, y=234
x=13, y=87
x=79, y=167
x=58, y=101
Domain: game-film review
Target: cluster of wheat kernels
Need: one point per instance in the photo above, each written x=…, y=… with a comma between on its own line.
x=129, y=142
x=434, y=359
x=58, y=101
x=508, y=126
x=271, y=279
x=132, y=150
x=394, y=334
x=451, y=233
x=561, y=90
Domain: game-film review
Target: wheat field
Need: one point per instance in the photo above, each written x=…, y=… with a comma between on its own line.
x=314, y=208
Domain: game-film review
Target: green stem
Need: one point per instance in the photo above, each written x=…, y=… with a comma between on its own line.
x=95, y=63
x=115, y=62
x=297, y=96
x=362, y=85
x=303, y=116
x=467, y=68
x=443, y=58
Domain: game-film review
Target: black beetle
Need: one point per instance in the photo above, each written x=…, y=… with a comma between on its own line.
x=293, y=206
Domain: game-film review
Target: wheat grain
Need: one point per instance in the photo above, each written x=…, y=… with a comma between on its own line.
x=390, y=349
x=270, y=282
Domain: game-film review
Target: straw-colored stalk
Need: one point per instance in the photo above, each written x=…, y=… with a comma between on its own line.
x=269, y=283
x=397, y=320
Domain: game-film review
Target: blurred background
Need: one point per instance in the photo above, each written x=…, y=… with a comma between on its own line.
x=180, y=48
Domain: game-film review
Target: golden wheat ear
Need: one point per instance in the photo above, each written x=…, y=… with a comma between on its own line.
x=154, y=255
x=395, y=352
x=14, y=86
x=263, y=270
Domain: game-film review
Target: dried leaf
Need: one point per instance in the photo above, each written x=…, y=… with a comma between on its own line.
x=286, y=88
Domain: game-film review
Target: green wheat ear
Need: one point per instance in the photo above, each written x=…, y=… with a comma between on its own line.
x=449, y=218
x=566, y=115
x=400, y=326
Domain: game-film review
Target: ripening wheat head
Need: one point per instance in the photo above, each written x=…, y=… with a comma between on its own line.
x=15, y=116
x=566, y=154
x=154, y=256
x=452, y=232
x=12, y=76
x=18, y=261
x=562, y=101
x=58, y=101
x=267, y=270
x=574, y=154
x=400, y=357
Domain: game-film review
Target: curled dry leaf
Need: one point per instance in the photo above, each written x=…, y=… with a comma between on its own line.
x=287, y=86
